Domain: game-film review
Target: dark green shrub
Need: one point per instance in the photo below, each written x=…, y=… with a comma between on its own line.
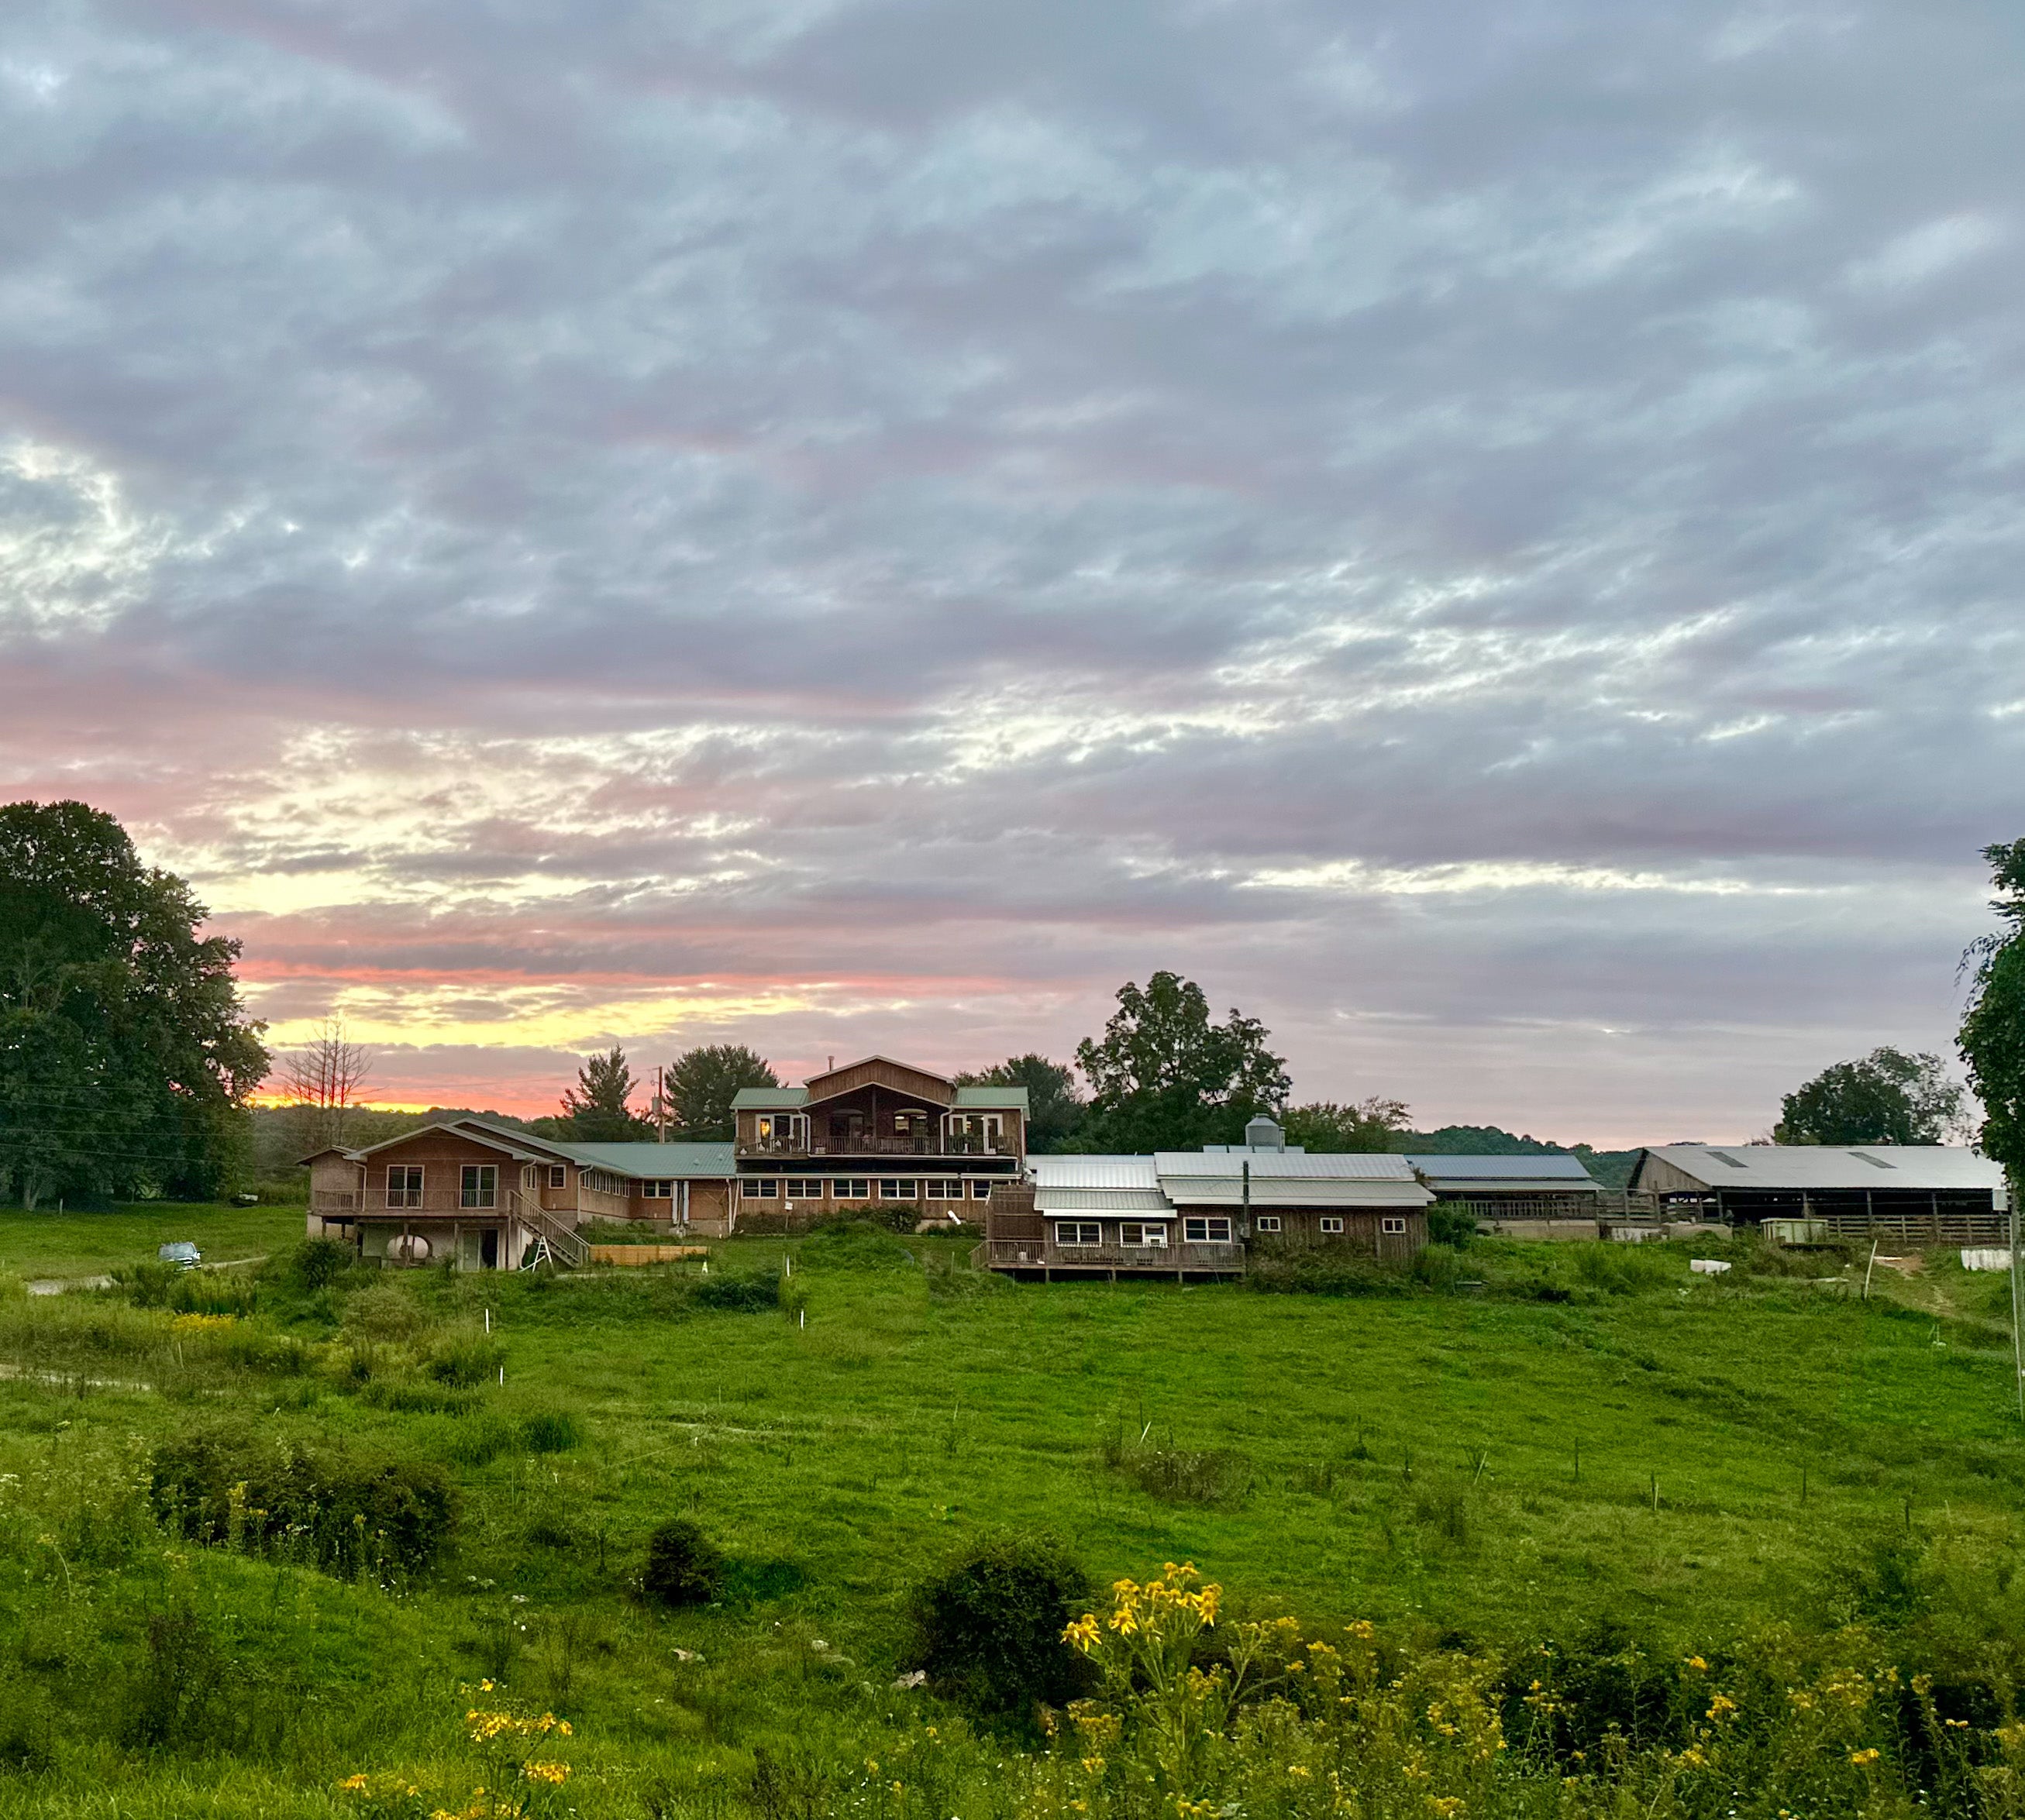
x=320, y=1262
x=1328, y=1270
x=551, y=1431
x=225, y=1486
x=988, y=1627
x=1605, y=1684
x=1438, y=1267
x=466, y=1360
x=1450, y=1225
x=684, y=1566
x=744, y=1295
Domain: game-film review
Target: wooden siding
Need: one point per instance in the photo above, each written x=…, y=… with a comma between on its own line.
x=1301, y=1228
x=913, y=1083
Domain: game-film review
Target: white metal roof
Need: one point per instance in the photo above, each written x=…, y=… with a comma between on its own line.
x=1920, y=1167
x=1101, y=1201
x=1094, y=1172
x=1267, y=1166
x=1314, y=1191
x=1561, y=1173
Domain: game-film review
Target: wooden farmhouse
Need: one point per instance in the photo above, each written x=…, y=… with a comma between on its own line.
x=489, y=1196
x=1184, y=1213
x=874, y=1135
x=1931, y=1194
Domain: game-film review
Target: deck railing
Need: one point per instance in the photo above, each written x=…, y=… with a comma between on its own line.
x=884, y=1144
x=1042, y=1254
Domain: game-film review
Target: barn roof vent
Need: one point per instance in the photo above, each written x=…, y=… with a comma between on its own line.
x=1263, y=1134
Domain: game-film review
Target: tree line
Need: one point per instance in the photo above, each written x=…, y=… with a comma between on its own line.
x=128, y=1060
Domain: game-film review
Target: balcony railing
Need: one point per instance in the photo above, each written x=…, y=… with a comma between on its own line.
x=866, y=1143
x=1043, y=1254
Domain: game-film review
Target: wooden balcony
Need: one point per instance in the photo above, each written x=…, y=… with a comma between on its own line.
x=883, y=1144
x=1044, y=1257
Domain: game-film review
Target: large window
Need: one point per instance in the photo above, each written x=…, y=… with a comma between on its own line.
x=1144, y=1235
x=980, y=1190
x=902, y=1189
x=558, y=1175
x=977, y=1130
x=480, y=1186
x=657, y=1189
x=1199, y=1229
x=785, y=1130
x=1078, y=1232
x=805, y=1187
x=852, y=1188
x=404, y=1185
x=943, y=1189
x=759, y=1188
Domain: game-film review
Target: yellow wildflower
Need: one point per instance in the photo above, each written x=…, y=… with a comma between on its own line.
x=1864, y=1759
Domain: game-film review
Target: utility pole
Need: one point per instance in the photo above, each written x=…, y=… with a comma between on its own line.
x=661, y=1106
x=2017, y=1346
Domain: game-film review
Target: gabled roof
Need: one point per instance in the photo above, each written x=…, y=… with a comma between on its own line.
x=515, y=1144
x=1922, y=1168
x=1075, y=1171
x=815, y=1081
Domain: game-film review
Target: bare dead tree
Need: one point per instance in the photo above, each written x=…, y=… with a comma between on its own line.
x=323, y=1077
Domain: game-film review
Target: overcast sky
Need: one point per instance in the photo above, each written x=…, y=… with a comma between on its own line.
x=1488, y=534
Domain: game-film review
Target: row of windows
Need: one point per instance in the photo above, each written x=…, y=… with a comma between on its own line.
x=792, y=1128
x=860, y=1188
x=1195, y=1229
x=478, y=1185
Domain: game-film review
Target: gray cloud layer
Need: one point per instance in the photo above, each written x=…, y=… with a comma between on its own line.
x=1487, y=531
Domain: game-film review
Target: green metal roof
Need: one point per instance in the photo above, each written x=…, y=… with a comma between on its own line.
x=981, y=1098
x=769, y=1098
x=658, y=1161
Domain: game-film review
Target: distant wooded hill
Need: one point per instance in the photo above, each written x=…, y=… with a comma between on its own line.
x=1611, y=1168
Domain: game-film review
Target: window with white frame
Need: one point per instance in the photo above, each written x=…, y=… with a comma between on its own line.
x=1331, y=1223
x=759, y=1188
x=404, y=1185
x=603, y=1182
x=805, y=1187
x=784, y=1129
x=980, y=1190
x=1078, y=1232
x=943, y=1188
x=1392, y=1223
x=1145, y=1234
x=902, y=1189
x=977, y=1130
x=480, y=1186
x=1267, y=1223
x=657, y=1189
x=852, y=1188
x=558, y=1175
x=1205, y=1229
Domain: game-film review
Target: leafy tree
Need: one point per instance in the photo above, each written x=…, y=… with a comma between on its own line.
x=1886, y=1098
x=595, y=1111
x=1165, y=1077
x=1370, y=1125
x=1054, y=1109
x=700, y=1085
x=1993, y=1032
x=125, y=1055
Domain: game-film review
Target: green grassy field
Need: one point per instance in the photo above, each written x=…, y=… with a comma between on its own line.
x=49, y=1243
x=1696, y=1459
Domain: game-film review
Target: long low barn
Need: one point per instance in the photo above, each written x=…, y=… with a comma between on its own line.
x=1496, y=1188
x=1933, y=1193
x=1187, y=1213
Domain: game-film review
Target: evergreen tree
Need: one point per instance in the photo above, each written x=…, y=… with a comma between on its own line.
x=597, y=1110
x=125, y=1055
x=700, y=1083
